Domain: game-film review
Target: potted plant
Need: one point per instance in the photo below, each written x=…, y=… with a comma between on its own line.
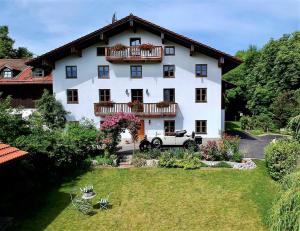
x=163, y=104
x=119, y=47
x=136, y=106
x=106, y=104
x=146, y=47
x=87, y=191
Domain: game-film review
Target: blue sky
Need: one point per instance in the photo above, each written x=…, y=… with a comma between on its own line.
x=227, y=25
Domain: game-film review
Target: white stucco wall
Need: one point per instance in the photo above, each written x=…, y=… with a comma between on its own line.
x=185, y=82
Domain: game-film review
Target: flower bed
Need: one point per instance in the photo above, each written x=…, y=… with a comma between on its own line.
x=224, y=153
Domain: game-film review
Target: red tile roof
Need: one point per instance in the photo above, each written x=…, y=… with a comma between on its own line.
x=8, y=153
x=25, y=75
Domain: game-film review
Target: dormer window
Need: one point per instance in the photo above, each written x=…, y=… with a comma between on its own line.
x=7, y=73
x=38, y=72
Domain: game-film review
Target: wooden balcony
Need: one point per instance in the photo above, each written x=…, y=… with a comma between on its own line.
x=149, y=110
x=134, y=54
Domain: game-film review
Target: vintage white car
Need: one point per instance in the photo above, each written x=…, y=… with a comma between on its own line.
x=179, y=138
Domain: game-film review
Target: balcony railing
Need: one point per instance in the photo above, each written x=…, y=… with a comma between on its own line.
x=26, y=103
x=146, y=110
x=134, y=54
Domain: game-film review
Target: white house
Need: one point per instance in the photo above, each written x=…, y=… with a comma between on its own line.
x=174, y=82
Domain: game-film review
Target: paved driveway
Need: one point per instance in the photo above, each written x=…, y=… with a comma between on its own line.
x=250, y=146
x=253, y=146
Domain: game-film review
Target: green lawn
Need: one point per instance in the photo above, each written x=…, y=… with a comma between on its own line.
x=233, y=126
x=236, y=126
x=163, y=199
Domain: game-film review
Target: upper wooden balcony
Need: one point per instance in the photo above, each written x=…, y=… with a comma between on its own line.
x=150, y=110
x=134, y=54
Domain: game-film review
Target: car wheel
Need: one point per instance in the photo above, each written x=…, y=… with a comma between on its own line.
x=190, y=144
x=144, y=145
x=156, y=143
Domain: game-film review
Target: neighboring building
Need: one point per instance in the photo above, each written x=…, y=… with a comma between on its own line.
x=133, y=59
x=22, y=82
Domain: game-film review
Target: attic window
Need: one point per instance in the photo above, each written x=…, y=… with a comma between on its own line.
x=38, y=72
x=7, y=73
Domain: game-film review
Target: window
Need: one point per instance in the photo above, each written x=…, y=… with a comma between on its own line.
x=135, y=41
x=201, y=126
x=201, y=70
x=169, y=95
x=38, y=72
x=201, y=95
x=7, y=73
x=169, y=50
x=169, y=127
x=137, y=94
x=103, y=72
x=136, y=71
x=100, y=51
x=71, y=72
x=169, y=71
x=72, y=96
x=104, y=95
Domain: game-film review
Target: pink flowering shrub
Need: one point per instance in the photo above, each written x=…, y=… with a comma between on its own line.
x=114, y=125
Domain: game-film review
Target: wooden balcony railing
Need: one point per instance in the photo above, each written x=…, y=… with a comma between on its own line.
x=147, y=110
x=26, y=103
x=134, y=54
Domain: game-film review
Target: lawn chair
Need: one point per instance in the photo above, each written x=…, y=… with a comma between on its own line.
x=104, y=202
x=81, y=205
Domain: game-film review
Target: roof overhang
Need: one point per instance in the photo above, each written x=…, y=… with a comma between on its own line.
x=8, y=153
x=226, y=62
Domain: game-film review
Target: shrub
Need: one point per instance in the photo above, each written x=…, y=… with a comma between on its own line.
x=105, y=161
x=245, y=122
x=281, y=157
x=180, y=158
x=294, y=126
x=263, y=121
x=51, y=111
x=167, y=160
x=211, y=151
x=11, y=123
x=222, y=164
x=285, y=213
x=291, y=181
x=139, y=159
x=153, y=153
x=236, y=157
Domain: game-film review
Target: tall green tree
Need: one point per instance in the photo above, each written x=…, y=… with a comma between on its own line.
x=264, y=76
x=6, y=46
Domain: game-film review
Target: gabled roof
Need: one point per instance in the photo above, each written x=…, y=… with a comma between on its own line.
x=8, y=153
x=13, y=64
x=133, y=21
x=25, y=75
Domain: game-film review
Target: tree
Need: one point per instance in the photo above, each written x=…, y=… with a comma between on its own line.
x=11, y=123
x=50, y=111
x=6, y=46
x=264, y=76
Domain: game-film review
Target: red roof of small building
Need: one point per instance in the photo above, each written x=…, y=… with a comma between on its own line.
x=8, y=153
x=25, y=75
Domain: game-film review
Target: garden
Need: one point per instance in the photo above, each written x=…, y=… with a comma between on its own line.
x=172, y=189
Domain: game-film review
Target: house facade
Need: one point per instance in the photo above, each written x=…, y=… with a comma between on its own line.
x=23, y=83
x=169, y=81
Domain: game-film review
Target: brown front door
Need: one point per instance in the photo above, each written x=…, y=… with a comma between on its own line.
x=141, y=131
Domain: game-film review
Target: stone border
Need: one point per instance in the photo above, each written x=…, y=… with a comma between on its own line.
x=246, y=163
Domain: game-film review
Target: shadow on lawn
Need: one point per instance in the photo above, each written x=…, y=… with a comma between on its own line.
x=32, y=204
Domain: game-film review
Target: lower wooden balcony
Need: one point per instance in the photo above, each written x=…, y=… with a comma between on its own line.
x=149, y=110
